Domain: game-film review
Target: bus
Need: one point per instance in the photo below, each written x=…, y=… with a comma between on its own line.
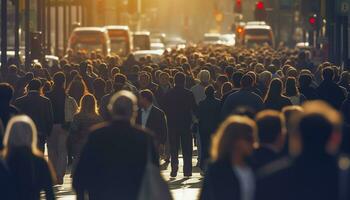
x=121, y=43
x=90, y=39
x=142, y=41
x=258, y=34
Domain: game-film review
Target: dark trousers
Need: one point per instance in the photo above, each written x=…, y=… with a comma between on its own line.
x=185, y=137
x=205, y=146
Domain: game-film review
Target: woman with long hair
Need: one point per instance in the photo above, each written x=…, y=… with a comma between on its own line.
x=293, y=93
x=274, y=98
x=83, y=120
x=30, y=171
x=77, y=88
x=230, y=176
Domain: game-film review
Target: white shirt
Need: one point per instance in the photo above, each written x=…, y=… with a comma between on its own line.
x=198, y=92
x=246, y=181
x=144, y=115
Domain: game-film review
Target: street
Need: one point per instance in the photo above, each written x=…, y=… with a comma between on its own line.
x=181, y=188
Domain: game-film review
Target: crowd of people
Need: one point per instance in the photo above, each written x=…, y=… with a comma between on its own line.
x=267, y=124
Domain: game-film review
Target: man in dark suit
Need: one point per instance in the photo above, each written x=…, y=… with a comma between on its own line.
x=113, y=161
x=179, y=105
x=271, y=133
x=329, y=91
x=245, y=97
x=38, y=108
x=316, y=173
x=152, y=118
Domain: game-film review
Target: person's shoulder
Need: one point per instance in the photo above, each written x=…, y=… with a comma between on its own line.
x=275, y=168
x=157, y=110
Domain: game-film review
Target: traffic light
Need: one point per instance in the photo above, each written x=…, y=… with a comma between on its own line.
x=313, y=21
x=238, y=6
x=260, y=11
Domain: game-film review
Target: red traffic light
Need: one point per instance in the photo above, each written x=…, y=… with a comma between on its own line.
x=260, y=5
x=238, y=6
x=312, y=20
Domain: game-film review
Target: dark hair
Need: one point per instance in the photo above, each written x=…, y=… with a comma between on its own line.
x=291, y=87
x=305, y=80
x=328, y=73
x=274, y=90
x=6, y=92
x=315, y=131
x=147, y=94
x=34, y=84
x=59, y=80
x=180, y=79
x=210, y=91
x=88, y=104
x=247, y=81
x=270, y=126
x=99, y=84
x=236, y=78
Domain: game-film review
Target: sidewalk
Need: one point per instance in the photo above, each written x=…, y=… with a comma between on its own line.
x=181, y=188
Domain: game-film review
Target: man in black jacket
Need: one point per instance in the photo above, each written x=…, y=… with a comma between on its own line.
x=179, y=104
x=329, y=91
x=38, y=108
x=152, y=118
x=315, y=173
x=113, y=161
x=271, y=133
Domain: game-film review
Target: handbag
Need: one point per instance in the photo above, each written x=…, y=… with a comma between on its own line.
x=153, y=186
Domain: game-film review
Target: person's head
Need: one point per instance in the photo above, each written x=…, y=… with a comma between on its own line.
x=204, y=77
x=59, y=80
x=6, y=93
x=34, y=85
x=305, y=80
x=164, y=79
x=236, y=79
x=265, y=78
x=275, y=89
x=291, y=87
x=88, y=104
x=247, y=81
x=145, y=98
x=328, y=74
x=180, y=79
x=119, y=82
x=99, y=85
x=144, y=79
x=210, y=91
x=234, y=138
x=226, y=87
x=271, y=128
x=123, y=106
x=20, y=132
x=221, y=79
x=319, y=128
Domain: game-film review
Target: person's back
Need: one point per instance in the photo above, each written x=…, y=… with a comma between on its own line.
x=314, y=174
x=329, y=91
x=242, y=98
x=29, y=169
x=31, y=174
x=38, y=108
x=179, y=106
x=113, y=161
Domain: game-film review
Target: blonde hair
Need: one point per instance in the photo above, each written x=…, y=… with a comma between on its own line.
x=233, y=128
x=21, y=131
